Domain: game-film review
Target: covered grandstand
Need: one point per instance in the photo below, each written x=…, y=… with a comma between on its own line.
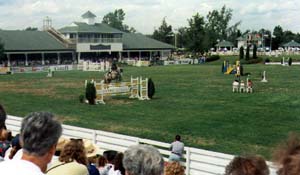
x=79, y=41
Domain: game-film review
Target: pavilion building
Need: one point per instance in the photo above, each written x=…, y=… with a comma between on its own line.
x=79, y=41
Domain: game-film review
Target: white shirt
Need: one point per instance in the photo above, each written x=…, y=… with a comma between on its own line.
x=17, y=167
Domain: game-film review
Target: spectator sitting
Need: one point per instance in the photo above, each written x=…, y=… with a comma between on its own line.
x=174, y=168
x=118, y=165
x=109, y=156
x=72, y=160
x=2, y=117
x=39, y=135
x=15, y=146
x=101, y=164
x=92, y=152
x=143, y=160
x=4, y=143
x=252, y=165
x=287, y=156
x=176, y=149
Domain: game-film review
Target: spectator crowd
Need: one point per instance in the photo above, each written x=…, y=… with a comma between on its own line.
x=40, y=149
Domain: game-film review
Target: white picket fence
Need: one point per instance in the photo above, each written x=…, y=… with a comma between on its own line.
x=197, y=161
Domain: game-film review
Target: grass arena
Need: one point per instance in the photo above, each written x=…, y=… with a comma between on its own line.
x=195, y=101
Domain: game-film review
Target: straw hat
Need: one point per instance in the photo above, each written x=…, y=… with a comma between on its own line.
x=91, y=149
x=62, y=141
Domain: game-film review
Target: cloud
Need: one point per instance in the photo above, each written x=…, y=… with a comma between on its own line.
x=145, y=15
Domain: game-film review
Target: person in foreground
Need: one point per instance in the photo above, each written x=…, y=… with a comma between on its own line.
x=143, y=160
x=287, y=156
x=248, y=165
x=39, y=135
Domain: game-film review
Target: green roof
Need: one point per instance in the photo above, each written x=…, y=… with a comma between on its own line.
x=291, y=44
x=81, y=27
x=18, y=40
x=88, y=14
x=224, y=44
x=137, y=41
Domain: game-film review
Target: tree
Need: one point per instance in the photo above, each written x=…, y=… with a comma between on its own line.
x=278, y=40
x=254, y=51
x=181, y=37
x=196, y=38
x=31, y=29
x=248, y=53
x=217, y=26
x=115, y=19
x=164, y=33
x=241, y=53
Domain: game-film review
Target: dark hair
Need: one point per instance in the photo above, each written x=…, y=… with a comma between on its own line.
x=249, y=165
x=118, y=163
x=177, y=137
x=39, y=132
x=110, y=155
x=2, y=117
x=287, y=156
x=15, y=144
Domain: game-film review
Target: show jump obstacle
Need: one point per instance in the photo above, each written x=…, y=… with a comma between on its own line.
x=91, y=66
x=136, y=88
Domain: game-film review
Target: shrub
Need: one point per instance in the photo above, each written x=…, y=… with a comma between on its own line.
x=241, y=53
x=254, y=51
x=81, y=98
x=90, y=93
x=252, y=61
x=290, y=61
x=248, y=53
x=151, y=88
x=212, y=58
x=267, y=60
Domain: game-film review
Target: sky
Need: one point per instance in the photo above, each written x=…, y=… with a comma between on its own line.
x=147, y=15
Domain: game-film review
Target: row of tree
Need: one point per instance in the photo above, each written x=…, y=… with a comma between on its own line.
x=203, y=33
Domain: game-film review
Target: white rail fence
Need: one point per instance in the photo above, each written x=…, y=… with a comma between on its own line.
x=196, y=161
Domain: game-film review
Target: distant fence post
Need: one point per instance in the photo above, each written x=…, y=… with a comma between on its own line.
x=188, y=158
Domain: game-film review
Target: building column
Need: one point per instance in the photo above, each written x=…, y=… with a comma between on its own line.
x=43, y=58
x=26, y=59
x=8, y=60
x=120, y=56
x=73, y=56
x=78, y=58
x=128, y=55
x=150, y=56
x=58, y=58
x=161, y=54
x=140, y=55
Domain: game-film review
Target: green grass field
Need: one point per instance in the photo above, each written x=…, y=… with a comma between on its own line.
x=195, y=101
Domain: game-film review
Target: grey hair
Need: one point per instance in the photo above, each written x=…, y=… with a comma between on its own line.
x=39, y=132
x=143, y=160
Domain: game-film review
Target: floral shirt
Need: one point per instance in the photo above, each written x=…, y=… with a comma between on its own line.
x=4, y=145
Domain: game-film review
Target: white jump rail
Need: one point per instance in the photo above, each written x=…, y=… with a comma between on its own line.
x=196, y=161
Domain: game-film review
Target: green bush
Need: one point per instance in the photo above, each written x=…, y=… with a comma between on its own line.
x=241, y=53
x=81, y=98
x=90, y=93
x=151, y=88
x=212, y=58
x=290, y=61
x=252, y=61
